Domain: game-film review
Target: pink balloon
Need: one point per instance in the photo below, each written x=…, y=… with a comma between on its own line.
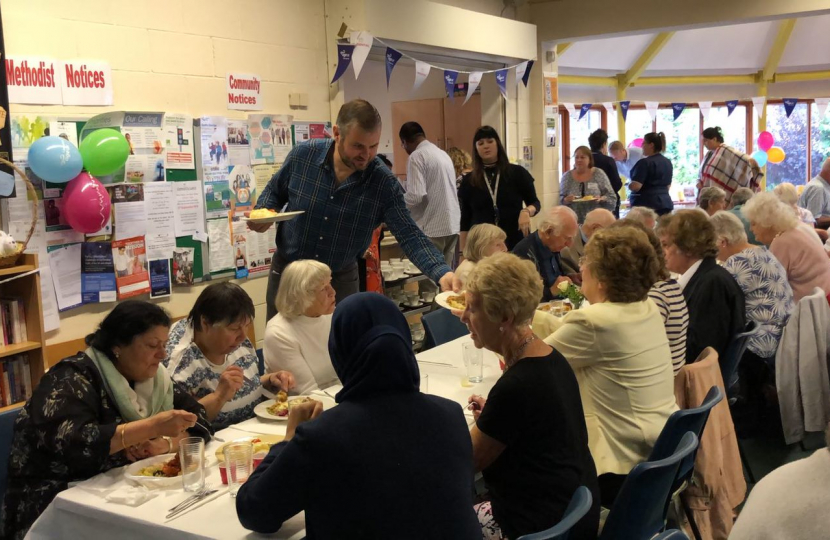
x=86, y=204
x=765, y=140
x=637, y=142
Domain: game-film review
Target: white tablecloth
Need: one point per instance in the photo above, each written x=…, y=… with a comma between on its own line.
x=77, y=513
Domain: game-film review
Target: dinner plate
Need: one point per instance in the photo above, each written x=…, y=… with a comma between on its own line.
x=583, y=199
x=285, y=216
x=441, y=299
x=270, y=439
x=152, y=482
x=261, y=410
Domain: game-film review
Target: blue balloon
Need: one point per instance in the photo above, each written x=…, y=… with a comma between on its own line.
x=760, y=156
x=55, y=159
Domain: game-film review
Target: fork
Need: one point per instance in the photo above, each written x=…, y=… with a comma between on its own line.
x=198, y=494
x=191, y=501
x=214, y=437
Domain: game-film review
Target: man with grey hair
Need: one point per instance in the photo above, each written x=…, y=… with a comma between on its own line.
x=345, y=193
x=816, y=196
x=555, y=231
x=643, y=215
x=739, y=199
x=595, y=220
x=712, y=199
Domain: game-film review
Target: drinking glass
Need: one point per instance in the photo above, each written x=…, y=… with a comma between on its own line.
x=557, y=308
x=473, y=361
x=192, y=457
x=239, y=462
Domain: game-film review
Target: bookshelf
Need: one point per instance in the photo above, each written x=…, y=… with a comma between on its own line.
x=27, y=288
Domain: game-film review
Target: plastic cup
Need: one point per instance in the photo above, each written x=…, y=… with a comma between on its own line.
x=239, y=463
x=192, y=457
x=473, y=361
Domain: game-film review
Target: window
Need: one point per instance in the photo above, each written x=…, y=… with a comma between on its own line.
x=820, y=139
x=733, y=127
x=682, y=143
x=791, y=135
x=637, y=123
x=580, y=129
x=611, y=122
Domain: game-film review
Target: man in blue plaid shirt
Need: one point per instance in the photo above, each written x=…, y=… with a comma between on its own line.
x=346, y=194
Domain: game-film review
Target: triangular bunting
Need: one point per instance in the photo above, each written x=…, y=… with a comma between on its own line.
x=651, y=107
x=472, y=84
x=450, y=77
x=584, y=110
x=705, y=109
x=570, y=108
x=624, y=105
x=730, y=106
x=821, y=104
x=789, y=105
x=421, y=73
x=677, y=109
x=362, y=42
x=344, y=58
x=526, y=75
x=609, y=107
x=501, y=80
x=392, y=57
x=758, y=103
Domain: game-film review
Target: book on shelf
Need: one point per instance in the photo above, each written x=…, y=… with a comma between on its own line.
x=13, y=321
x=16, y=380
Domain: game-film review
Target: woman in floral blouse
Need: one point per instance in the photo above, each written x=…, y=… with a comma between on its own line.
x=211, y=356
x=102, y=408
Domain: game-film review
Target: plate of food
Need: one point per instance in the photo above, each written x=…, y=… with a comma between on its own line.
x=265, y=215
x=587, y=198
x=277, y=408
x=156, y=472
x=262, y=445
x=452, y=300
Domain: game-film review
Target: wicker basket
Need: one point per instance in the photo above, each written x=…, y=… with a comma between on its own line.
x=11, y=260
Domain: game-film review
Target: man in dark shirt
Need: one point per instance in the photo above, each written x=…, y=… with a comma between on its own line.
x=556, y=231
x=598, y=141
x=345, y=194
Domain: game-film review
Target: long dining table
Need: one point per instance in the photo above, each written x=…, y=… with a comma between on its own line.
x=80, y=512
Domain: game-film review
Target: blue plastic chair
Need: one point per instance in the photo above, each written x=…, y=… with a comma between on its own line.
x=579, y=506
x=639, y=511
x=734, y=353
x=676, y=427
x=441, y=326
x=672, y=534
x=6, y=435
x=260, y=362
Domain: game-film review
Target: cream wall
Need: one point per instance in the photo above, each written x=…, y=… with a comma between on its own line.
x=173, y=55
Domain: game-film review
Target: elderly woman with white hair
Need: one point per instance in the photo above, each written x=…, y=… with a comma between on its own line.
x=788, y=195
x=712, y=199
x=643, y=215
x=297, y=337
x=777, y=226
x=529, y=440
x=483, y=240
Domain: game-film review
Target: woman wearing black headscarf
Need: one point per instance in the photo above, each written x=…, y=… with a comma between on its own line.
x=387, y=462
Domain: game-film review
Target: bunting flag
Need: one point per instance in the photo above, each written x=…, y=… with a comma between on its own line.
x=821, y=104
x=523, y=71
x=624, y=105
x=526, y=74
x=344, y=58
x=362, y=42
x=789, y=105
x=758, y=103
x=392, y=57
x=730, y=106
x=501, y=80
x=677, y=109
x=472, y=84
x=584, y=110
x=651, y=107
x=449, y=82
x=570, y=108
x=705, y=109
x=609, y=106
x=421, y=73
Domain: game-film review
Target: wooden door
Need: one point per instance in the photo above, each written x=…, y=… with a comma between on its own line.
x=429, y=113
x=461, y=121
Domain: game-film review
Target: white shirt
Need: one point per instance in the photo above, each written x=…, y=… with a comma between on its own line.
x=687, y=275
x=634, y=155
x=301, y=346
x=431, y=195
x=816, y=197
x=122, y=260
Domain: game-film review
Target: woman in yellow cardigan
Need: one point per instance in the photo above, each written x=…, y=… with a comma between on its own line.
x=619, y=351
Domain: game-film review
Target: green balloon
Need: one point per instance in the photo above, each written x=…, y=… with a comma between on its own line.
x=104, y=151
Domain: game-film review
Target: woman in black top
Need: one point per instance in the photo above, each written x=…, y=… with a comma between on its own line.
x=496, y=191
x=651, y=177
x=82, y=418
x=387, y=462
x=530, y=440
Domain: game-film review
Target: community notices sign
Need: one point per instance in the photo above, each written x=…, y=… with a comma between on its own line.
x=45, y=81
x=244, y=92
x=86, y=83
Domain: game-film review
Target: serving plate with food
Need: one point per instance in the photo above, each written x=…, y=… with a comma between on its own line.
x=452, y=300
x=277, y=408
x=160, y=471
x=262, y=445
x=587, y=198
x=265, y=215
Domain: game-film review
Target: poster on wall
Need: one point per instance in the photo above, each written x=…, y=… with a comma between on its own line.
x=183, y=266
x=160, y=278
x=243, y=188
x=263, y=174
x=551, y=89
x=178, y=141
x=130, y=259
x=214, y=141
x=239, y=151
x=305, y=131
x=145, y=134
x=26, y=128
x=550, y=128
x=239, y=238
x=270, y=137
x=260, y=248
x=97, y=273
x=217, y=192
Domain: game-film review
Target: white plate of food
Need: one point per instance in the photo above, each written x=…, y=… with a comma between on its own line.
x=262, y=445
x=277, y=409
x=160, y=471
x=587, y=198
x=451, y=300
x=263, y=215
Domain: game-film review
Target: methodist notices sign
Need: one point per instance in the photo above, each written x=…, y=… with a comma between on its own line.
x=46, y=81
x=244, y=92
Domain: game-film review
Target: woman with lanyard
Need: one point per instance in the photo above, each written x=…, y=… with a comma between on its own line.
x=496, y=191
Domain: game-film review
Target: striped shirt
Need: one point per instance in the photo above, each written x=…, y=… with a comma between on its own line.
x=197, y=375
x=431, y=195
x=669, y=299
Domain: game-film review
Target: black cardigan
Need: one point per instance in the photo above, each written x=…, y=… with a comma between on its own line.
x=717, y=310
x=398, y=466
x=516, y=190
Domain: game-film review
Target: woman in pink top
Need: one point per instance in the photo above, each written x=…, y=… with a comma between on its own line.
x=777, y=225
